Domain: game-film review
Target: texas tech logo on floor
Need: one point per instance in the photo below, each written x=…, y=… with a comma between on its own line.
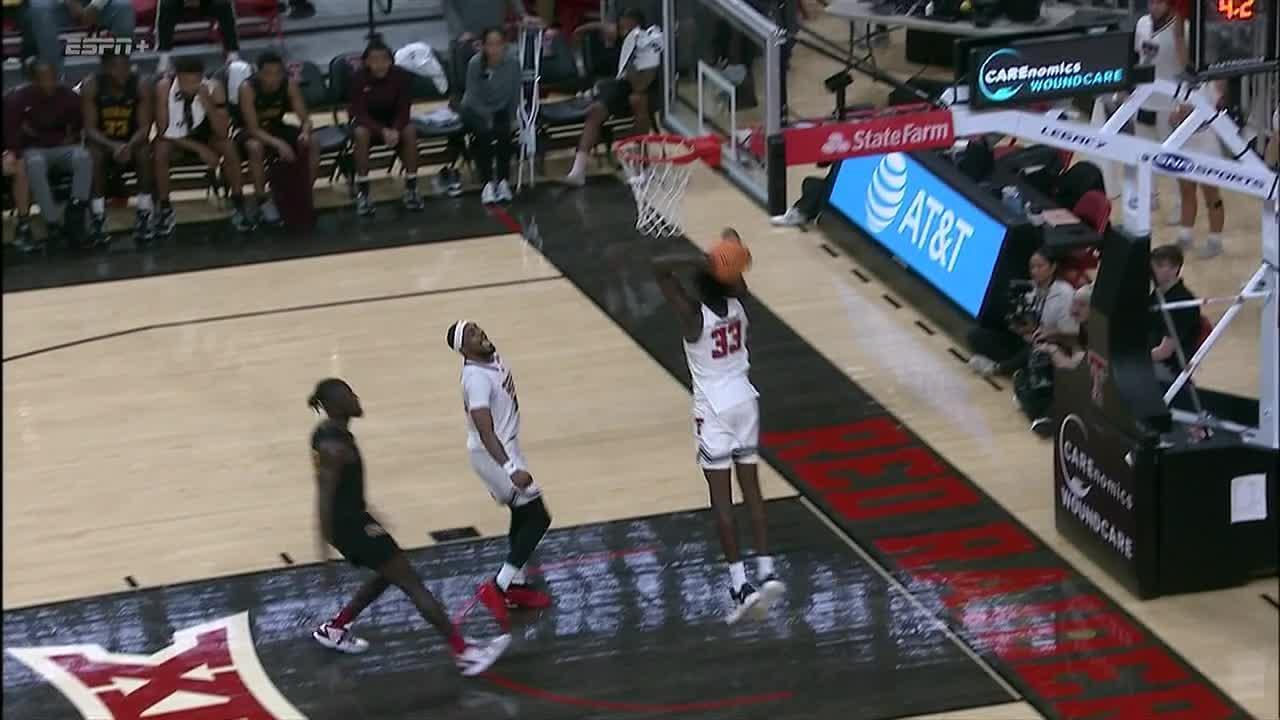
x=209, y=672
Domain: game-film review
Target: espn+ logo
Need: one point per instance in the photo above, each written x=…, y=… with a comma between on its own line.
x=927, y=224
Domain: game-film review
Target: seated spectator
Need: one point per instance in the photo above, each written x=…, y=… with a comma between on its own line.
x=265, y=98
x=191, y=114
x=814, y=192
x=46, y=19
x=380, y=99
x=627, y=94
x=467, y=20
x=169, y=12
x=1053, y=350
x=43, y=127
x=489, y=112
x=1047, y=306
x=1170, y=350
x=16, y=171
x=118, y=108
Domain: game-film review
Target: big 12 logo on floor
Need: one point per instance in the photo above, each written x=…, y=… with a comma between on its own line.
x=932, y=228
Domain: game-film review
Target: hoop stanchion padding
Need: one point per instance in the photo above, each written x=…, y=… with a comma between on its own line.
x=657, y=168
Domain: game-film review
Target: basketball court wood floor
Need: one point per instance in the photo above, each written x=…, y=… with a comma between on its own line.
x=177, y=453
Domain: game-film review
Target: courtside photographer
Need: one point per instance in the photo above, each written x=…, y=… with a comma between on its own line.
x=1052, y=350
x=1041, y=303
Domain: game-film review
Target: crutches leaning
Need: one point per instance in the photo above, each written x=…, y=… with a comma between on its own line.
x=530, y=101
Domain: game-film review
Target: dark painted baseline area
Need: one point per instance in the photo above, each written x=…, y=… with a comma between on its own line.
x=1050, y=632
x=637, y=631
x=213, y=244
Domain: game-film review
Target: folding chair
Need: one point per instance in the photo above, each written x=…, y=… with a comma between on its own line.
x=332, y=139
x=439, y=142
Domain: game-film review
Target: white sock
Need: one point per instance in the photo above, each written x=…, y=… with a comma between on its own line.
x=764, y=566
x=579, y=164
x=1214, y=238
x=1184, y=234
x=98, y=206
x=737, y=575
x=519, y=578
x=505, y=575
x=163, y=65
x=144, y=201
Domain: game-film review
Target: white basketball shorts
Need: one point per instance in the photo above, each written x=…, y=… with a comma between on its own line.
x=498, y=483
x=728, y=437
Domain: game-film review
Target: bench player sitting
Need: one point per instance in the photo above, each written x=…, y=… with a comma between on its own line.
x=380, y=100
x=118, y=110
x=265, y=98
x=191, y=112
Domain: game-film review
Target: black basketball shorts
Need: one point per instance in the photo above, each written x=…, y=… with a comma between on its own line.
x=616, y=96
x=113, y=168
x=285, y=131
x=364, y=542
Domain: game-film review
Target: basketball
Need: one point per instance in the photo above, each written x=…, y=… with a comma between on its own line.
x=729, y=260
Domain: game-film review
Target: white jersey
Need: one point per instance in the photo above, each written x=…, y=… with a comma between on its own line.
x=178, y=126
x=641, y=49
x=1156, y=47
x=718, y=361
x=489, y=385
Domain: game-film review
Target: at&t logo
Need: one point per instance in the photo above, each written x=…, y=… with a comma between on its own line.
x=927, y=223
x=885, y=193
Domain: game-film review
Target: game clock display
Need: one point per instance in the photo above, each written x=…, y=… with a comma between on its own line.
x=1234, y=37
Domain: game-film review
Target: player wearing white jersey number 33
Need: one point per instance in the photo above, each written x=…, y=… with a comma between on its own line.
x=726, y=415
x=493, y=429
x=725, y=410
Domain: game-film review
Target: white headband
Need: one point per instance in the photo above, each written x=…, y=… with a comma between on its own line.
x=460, y=330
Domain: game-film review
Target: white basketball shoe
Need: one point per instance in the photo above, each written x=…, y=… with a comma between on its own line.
x=340, y=639
x=475, y=658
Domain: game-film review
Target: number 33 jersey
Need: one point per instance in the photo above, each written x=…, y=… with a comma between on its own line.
x=718, y=362
x=489, y=385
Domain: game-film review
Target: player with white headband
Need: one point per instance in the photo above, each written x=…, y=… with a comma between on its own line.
x=493, y=428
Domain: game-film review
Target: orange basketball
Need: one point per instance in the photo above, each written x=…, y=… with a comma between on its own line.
x=729, y=260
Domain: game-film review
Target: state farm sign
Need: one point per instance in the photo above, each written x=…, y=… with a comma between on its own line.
x=873, y=136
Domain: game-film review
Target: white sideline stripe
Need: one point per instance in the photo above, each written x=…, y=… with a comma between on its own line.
x=915, y=602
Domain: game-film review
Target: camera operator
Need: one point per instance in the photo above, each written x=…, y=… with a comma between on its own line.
x=1044, y=303
x=1052, y=350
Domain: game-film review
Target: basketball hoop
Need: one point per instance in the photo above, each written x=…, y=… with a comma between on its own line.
x=657, y=168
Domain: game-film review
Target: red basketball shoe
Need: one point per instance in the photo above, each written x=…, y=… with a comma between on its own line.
x=495, y=600
x=527, y=597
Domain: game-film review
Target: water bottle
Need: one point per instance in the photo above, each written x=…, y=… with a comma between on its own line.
x=1012, y=199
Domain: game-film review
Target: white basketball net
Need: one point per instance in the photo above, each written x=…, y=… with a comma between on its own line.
x=658, y=172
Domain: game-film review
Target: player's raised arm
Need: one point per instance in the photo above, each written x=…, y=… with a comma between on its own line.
x=664, y=270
